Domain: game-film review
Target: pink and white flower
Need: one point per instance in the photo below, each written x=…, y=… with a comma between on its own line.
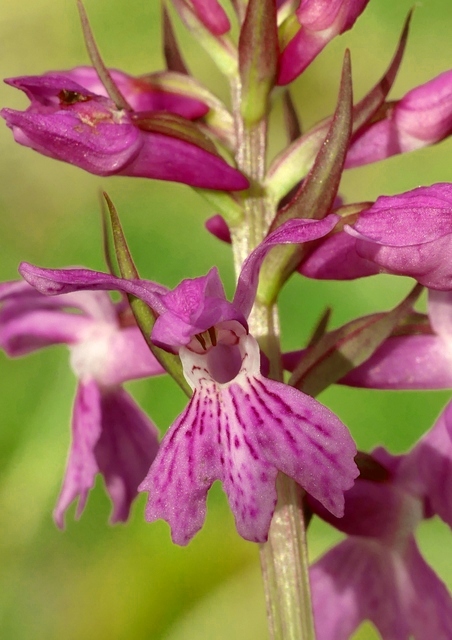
x=239, y=427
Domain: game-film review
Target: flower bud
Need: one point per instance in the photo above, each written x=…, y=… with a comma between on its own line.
x=68, y=122
x=320, y=21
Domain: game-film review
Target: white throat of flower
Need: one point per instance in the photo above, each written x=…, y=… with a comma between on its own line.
x=221, y=356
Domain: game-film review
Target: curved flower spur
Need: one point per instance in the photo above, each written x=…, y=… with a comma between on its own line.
x=239, y=427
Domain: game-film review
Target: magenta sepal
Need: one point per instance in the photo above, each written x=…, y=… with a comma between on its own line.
x=67, y=122
x=111, y=435
x=188, y=312
x=321, y=21
x=378, y=573
x=422, y=117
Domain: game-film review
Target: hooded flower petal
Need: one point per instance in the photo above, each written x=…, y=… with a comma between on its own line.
x=422, y=117
x=192, y=308
x=111, y=436
x=321, y=21
x=409, y=234
x=241, y=428
x=70, y=123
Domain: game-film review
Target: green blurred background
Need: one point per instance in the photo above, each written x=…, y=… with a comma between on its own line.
x=99, y=582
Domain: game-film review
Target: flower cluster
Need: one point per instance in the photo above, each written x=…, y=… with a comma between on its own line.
x=245, y=422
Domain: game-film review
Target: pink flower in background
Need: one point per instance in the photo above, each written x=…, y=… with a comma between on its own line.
x=111, y=435
x=417, y=357
x=378, y=573
x=421, y=118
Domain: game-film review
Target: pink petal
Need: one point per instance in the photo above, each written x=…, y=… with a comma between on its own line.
x=300, y=437
x=430, y=461
x=440, y=313
x=21, y=333
x=335, y=258
x=125, y=450
x=429, y=608
x=186, y=465
x=358, y=579
x=82, y=465
x=242, y=431
x=129, y=358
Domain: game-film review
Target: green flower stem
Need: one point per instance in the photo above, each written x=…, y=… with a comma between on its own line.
x=284, y=558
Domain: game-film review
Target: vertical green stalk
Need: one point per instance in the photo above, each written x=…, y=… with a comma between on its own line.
x=284, y=560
